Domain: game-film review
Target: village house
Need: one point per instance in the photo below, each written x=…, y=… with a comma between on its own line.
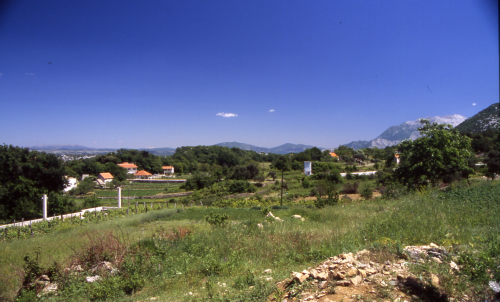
x=104, y=178
x=143, y=175
x=168, y=170
x=71, y=184
x=131, y=168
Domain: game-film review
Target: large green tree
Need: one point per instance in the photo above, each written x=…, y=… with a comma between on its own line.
x=440, y=153
x=24, y=176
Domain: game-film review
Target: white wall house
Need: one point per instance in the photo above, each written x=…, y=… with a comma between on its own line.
x=105, y=177
x=131, y=168
x=168, y=170
x=308, y=168
x=71, y=184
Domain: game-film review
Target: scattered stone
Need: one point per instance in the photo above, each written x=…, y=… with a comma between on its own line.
x=44, y=278
x=454, y=266
x=48, y=289
x=434, y=280
x=297, y=216
x=268, y=271
x=352, y=272
x=494, y=286
x=356, y=280
x=344, y=283
x=93, y=279
x=437, y=260
x=322, y=284
x=300, y=277
x=260, y=225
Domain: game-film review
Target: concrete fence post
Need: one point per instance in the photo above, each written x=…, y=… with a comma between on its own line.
x=119, y=197
x=44, y=206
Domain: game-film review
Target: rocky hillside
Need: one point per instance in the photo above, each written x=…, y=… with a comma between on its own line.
x=407, y=130
x=487, y=119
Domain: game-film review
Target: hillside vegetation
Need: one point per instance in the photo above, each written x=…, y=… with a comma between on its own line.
x=171, y=253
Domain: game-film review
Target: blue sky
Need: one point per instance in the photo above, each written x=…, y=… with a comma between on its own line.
x=139, y=74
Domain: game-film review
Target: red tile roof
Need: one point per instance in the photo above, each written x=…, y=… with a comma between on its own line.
x=106, y=175
x=142, y=173
x=333, y=154
x=167, y=167
x=127, y=165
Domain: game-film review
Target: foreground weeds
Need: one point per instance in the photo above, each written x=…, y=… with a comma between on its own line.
x=180, y=257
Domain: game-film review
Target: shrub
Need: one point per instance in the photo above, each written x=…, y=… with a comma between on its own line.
x=367, y=191
x=305, y=183
x=351, y=188
x=241, y=186
x=217, y=219
x=92, y=202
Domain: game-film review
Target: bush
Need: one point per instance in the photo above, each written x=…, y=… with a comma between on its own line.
x=367, y=191
x=306, y=183
x=351, y=188
x=393, y=191
x=217, y=219
x=91, y=202
x=85, y=186
x=241, y=186
x=198, y=182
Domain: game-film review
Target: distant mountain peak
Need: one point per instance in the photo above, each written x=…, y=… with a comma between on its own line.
x=407, y=130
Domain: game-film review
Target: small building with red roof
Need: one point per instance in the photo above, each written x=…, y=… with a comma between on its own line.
x=168, y=169
x=105, y=177
x=143, y=174
x=131, y=168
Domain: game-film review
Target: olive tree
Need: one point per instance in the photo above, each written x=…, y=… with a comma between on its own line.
x=441, y=151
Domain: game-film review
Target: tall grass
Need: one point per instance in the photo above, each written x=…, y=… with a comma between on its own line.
x=172, y=253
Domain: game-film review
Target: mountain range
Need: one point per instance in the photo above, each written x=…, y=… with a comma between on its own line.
x=482, y=121
x=407, y=130
x=82, y=150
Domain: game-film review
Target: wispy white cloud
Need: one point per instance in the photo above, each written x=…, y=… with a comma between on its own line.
x=227, y=114
x=120, y=141
x=95, y=142
x=473, y=104
x=30, y=73
x=271, y=110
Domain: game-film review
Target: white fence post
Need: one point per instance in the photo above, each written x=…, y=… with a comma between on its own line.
x=44, y=206
x=119, y=197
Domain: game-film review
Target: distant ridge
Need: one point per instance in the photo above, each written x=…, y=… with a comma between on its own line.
x=282, y=149
x=59, y=147
x=487, y=119
x=407, y=130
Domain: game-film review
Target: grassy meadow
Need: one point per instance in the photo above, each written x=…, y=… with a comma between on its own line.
x=176, y=255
